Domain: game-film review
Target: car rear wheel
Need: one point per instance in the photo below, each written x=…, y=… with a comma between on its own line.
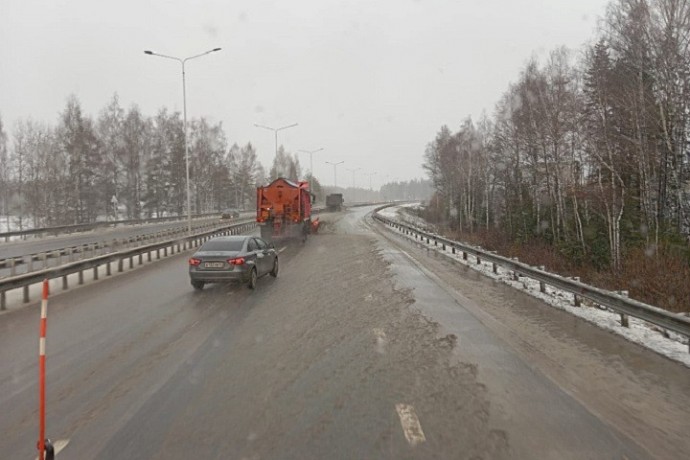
x=198, y=285
x=252, y=279
x=274, y=272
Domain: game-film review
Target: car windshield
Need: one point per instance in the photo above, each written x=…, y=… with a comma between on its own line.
x=222, y=245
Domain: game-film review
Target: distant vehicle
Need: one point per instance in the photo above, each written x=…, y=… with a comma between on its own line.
x=334, y=201
x=283, y=210
x=229, y=214
x=238, y=258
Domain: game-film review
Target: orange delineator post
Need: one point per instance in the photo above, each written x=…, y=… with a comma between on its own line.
x=42, y=374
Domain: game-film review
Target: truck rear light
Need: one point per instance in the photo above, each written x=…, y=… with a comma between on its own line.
x=194, y=262
x=237, y=261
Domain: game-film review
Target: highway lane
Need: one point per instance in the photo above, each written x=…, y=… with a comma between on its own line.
x=36, y=246
x=50, y=243
x=359, y=349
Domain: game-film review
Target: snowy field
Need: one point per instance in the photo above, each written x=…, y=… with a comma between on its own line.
x=648, y=335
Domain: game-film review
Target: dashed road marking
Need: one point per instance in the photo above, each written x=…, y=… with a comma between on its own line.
x=380, y=340
x=410, y=424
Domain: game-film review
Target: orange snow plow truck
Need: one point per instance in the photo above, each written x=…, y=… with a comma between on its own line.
x=283, y=210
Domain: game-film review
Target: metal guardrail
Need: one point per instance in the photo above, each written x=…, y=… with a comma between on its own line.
x=94, y=225
x=618, y=303
x=43, y=257
x=175, y=245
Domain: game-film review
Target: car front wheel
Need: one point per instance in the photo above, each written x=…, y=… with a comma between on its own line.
x=274, y=272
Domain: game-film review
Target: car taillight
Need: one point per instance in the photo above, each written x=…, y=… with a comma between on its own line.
x=194, y=262
x=238, y=261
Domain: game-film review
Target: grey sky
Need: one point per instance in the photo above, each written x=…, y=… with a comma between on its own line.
x=371, y=81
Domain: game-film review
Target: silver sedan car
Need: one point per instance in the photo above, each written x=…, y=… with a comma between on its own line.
x=233, y=258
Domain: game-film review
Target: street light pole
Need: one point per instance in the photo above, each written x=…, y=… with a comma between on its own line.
x=353, y=171
x=275, y=131
x=311, y=159
x=370, y=176
x=354, y=190
x=335, y=177
x=184, y=109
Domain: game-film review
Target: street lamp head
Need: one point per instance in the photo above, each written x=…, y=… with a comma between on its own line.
x=148, y=52
x=215, y=49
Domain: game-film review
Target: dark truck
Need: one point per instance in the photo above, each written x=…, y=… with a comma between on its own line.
x=334, y=201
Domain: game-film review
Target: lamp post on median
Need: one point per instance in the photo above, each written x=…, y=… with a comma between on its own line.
x=311, y=160
x=335, y=174
x=370, y=176
x=275, y=131
x=354, y=190
x=184, y=105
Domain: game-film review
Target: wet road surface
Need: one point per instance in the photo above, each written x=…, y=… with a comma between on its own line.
x=17, y=248
x=365, y=346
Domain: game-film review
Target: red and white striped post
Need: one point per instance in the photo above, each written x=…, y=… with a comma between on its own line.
x=42, y=374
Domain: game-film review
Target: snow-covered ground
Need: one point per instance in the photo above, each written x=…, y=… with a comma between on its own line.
x=648, y=335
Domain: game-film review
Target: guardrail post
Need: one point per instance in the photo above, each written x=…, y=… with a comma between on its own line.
x=64, y=283
x=148, y=256
x=172, y=249
x=576, y=298
x=131, y=262
x=44, y=259
x=30, y=266
x=453, y=249
x=542, y=285
x=165, y=251
x=479, y=261
x=443, y=246
x=464, y=255
x=624, y=318
x=26, y=294
x=495, y=267
x=141, y=258
x=81, y=277
x=95, y=273
x=120, y=263
x=13, y=267
x=70, y=254
x=58, y=256
x=107, y=269
x=158, y=253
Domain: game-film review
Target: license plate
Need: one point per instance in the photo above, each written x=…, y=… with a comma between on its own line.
x=213, y=265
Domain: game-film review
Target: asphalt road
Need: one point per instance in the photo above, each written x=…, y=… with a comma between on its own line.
x=365, y=346
x=53, y=243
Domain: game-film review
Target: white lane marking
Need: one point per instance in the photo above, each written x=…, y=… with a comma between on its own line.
x=410, y=424
x=282, y=249
x=380, y=340
x=58, y=446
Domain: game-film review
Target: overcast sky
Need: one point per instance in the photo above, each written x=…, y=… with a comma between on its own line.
x=370, y=81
